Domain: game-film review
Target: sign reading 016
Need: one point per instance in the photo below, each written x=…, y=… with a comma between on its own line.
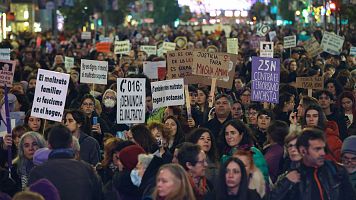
x=131, y=86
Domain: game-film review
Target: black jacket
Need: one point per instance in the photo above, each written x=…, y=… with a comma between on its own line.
x=333, y=179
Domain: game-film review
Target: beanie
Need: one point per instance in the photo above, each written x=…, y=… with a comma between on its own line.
x=349, y=145
x=41, y=156
x=129, y=156
x=45, y=188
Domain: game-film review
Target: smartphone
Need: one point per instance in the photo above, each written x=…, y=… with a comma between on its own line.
x=121, y=135
x=95, y=120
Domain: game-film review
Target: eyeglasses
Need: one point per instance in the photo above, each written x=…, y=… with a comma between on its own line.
x=88, y=104
x=345, y=159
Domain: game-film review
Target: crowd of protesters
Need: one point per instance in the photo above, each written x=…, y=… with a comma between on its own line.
x=302, y=148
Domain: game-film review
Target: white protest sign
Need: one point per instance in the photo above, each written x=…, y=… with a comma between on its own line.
x=160, y=52
x=150, y=69
x=93, y=71
x=312, y=46
x=353, y=51
x=68, y=63
x=266, y=49
x=86, y=35
x=131, y=100
x=122, y=47
x=50, y=95
x=272, y=35
x=290, y=42
x=167, y=93
x=5, y=54
x=168, y=46
x=262, y=30
x=150, y=50
x=7, y=71
x=332, y=43
x=232, y=45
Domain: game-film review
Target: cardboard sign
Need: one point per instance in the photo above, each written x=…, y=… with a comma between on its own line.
x=86, y=35
x=93, y=71
x=150, y=50
x=290, y=42
x=214, y=65
x=232, y=45
x=50, y=95
x=103, y=47
x=315, y=82
x=68, y=63
x=353, y=51
x=5, y=54
x=160, y=52
x=255, y=41
x=181, y=42
x=122, y=47
x=151, y=69
x=266, y=49
x=313, y=47
x=131, y=100
x=168, y=46
x=265, y=79
x=272, y=35
x=179, y=64
x=7, y=71
x=332, y=43
x=262, y=30
x=167, y=93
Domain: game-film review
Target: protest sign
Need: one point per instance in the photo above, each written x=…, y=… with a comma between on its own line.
x=68, y=63
x=266, y=49
x=290, y=41
x=122, y=47
x=151, y=69
x=255, y=41
x=93, y=71
x=179, y=64
x=150, y=50
x=332, y=43
x=160, y=52
x=5, y=54
x=312, y=46
x=167, y=93
x=7, y=71
x=131, y=100
x=232, y=45
x=211, y=64
x=265, y=79
x=262, y=30
x=168, y=46
x=50, y=95
x=86, y=35
x=315, y=82
x=272, y=35
x=353, y=51
x=103, y=47
x=181, y=42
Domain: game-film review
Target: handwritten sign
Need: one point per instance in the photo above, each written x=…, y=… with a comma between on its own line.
x=332, y=43
x=152, y=69
x=232, y=45
x=122, y=47
x=272, y=35
x=168, y=46
x=211, y=64
x=131, y=100
x=86, y=35
x=313, y=47
x=167, y=93
x=7, y=71
x=266, y=49
x=150, y=50
x=68, y=63
x=93, y=71
x=290, y=41
x=179, y=64
x=5, y=54
x=265, y=79
x=315, y=82
x=50, y=95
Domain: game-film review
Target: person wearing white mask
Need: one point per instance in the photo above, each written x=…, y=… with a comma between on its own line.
x=109, y=108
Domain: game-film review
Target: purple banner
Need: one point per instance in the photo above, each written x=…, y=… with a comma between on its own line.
x=265, y=79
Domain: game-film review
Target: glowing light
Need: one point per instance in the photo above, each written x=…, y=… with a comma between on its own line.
x=26, y=24
x=237, y=13
x=297, y=12
x=332, y=6
x=244, y=13
x=26, y=14
x=229, y=13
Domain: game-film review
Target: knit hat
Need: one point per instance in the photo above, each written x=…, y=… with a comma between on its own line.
x=45, y=188
x=41, y=156
x=129, y=156
x=349, y=145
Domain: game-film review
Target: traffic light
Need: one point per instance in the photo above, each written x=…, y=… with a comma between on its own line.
x=332, y=6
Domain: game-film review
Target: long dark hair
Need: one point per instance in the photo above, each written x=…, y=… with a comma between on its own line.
x=81, y=119
x=221, y=188
x=179, y=137
x=321, y=116
x=194, y=136
x=142, y=135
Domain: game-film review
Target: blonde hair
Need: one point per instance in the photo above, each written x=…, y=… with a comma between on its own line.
x=184, y=190
x=27, y=195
